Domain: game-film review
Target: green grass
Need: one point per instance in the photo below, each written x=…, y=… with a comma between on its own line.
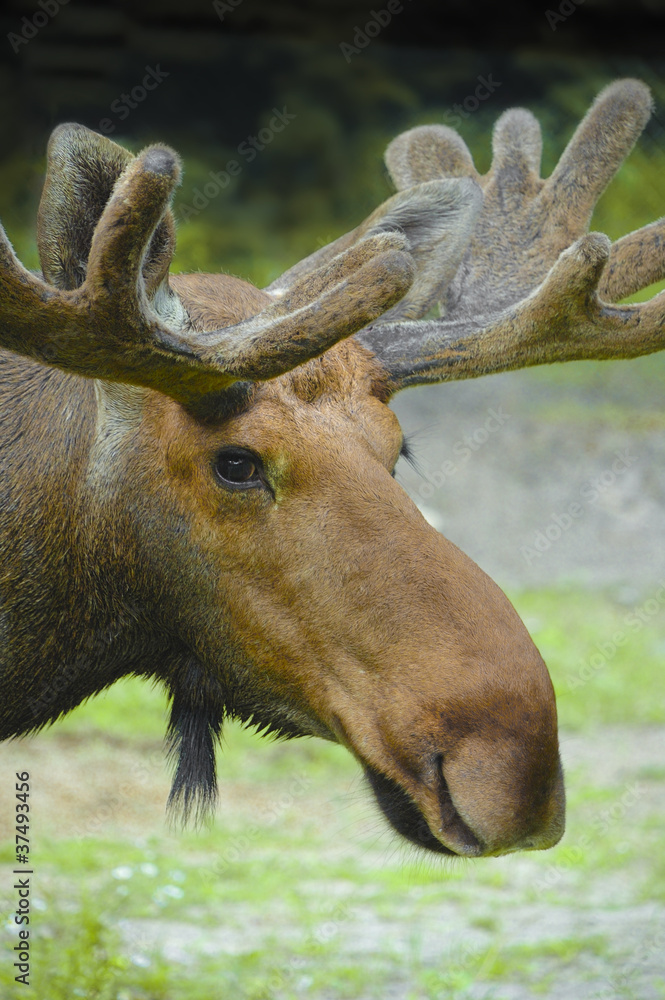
x=597, y=680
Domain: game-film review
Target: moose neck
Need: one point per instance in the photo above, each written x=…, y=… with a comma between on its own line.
x=71, y=620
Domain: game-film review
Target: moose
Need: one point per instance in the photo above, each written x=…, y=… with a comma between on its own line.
x=197, y=475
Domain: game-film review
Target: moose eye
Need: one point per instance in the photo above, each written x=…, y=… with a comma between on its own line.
x=238, y=469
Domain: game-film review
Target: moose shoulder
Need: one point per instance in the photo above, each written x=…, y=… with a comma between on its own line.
x=196, y=474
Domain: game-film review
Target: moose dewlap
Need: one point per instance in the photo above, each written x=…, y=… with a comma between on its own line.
x=197, y=481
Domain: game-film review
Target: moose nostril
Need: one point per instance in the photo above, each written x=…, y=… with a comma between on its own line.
x=454, y=830
x=510, y=808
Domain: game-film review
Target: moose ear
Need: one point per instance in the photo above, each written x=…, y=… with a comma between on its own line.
x=437, y=218
x=82, y=169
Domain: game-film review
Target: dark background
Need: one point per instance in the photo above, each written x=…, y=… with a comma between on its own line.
x=225, y=75
x=228, y=69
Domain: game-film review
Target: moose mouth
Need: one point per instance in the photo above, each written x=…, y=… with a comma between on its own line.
x=405, y=817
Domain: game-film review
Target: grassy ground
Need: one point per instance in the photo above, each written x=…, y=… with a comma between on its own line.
x=298, y=890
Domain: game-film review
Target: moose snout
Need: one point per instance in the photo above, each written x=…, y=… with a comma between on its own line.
x=506, y=800
x=479, y=798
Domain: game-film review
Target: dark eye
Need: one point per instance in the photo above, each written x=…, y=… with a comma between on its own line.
x=238, y=469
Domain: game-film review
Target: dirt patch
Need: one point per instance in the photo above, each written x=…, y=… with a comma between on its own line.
x=88, y=787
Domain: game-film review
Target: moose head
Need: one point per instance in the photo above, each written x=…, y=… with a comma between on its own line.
x=197, y=474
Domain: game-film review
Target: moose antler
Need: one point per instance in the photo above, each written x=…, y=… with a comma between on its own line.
x=523, y=295
x=111, y=326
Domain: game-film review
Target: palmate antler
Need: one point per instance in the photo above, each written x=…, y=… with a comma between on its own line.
x=113, y=315
x=531, y=289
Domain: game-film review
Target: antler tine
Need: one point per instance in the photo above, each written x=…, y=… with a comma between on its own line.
x=636, y=261
x=562, y=320
x=321, y=308
x=526, y=222
x=370, y=277
x=517, y=250
x=122, y=237
x=517, y=147
x=600, y=144
x=426, y=153
x=82, y=169
x=431, y=152
x=436, y=217
x=107, y=329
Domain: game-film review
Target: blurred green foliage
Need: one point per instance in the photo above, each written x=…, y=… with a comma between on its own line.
x=323, y=172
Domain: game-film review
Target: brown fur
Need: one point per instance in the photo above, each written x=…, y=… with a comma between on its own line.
x=295, y=609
